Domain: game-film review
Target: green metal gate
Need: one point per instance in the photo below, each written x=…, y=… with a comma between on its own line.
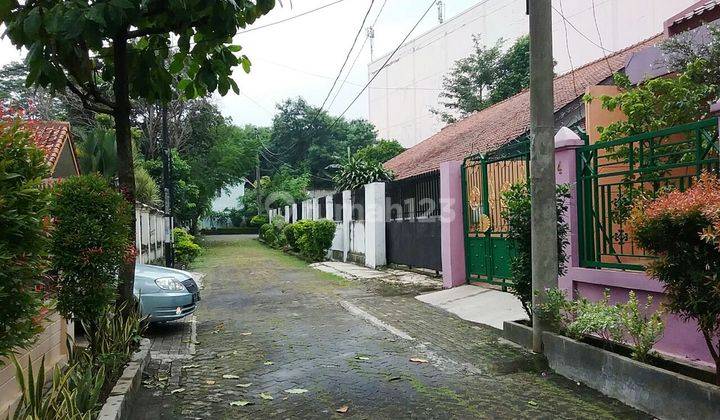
x=485, y=177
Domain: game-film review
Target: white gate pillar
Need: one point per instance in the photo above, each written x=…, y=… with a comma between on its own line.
x=375, y=255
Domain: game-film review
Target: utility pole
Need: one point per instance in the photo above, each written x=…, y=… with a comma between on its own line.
x=542, y=162
x=167, y=190
x=257, y=189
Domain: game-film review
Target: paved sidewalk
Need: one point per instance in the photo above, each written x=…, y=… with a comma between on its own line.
x=389, y=275
x=277, y=339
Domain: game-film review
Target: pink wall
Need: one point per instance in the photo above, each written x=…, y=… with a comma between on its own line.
x=681, y=339
x=452, y=234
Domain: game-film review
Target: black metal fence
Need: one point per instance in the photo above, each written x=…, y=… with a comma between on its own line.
x=412, y=231
x=414, y=197
x=338, y=207
x=357, y=198
x=322, y=208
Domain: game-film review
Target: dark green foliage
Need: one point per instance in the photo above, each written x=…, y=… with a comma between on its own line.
x=90, y=241
x=486, y=77
x=23, y=235
x=355, y=172
x=186, y=202
x=273, y=233
x=308, y=140
x=380, y=152
x=283, y=188
x=517, y=213
x=186, y=250
x=314, y=237
x=258, y=220
x=290, y=232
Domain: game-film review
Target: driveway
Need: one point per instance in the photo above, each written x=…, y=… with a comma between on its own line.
x=278, y=339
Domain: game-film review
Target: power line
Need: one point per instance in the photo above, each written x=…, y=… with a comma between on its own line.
x=432, y=3
x=590, y=40
x=597, y=28
x=567, y=48
x=362, y=48
x=347, y=56
x=291, y=17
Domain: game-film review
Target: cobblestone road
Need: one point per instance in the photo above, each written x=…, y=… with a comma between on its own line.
x=276, y=339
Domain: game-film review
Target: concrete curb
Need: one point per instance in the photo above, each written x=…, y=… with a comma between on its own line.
x=117, y=406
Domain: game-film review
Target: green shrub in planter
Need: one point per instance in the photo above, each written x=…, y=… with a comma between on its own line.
x=90, y=241
x=517, y=213
x=186, y=250
x=23, y=236
x=258, y=220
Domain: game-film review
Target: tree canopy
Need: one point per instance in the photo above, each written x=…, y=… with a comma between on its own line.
x=381, y=151
x=308, y=140
x=485, y=77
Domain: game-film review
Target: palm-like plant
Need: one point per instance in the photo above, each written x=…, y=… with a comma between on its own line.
x=97, y=152
x=355, y=172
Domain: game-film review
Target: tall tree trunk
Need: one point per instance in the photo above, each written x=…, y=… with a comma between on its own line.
x=126, y=173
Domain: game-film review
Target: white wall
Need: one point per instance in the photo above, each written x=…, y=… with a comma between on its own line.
x=401, y=97
x=150, y=234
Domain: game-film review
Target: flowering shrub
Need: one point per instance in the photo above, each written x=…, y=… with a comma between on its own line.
x=23, y=236
x=681, y=228
x=91, y=240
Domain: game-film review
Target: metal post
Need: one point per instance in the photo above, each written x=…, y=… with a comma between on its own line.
x=167, y=189
x=542, y=162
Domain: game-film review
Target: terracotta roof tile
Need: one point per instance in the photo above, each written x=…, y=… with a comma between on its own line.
x=494, y=126
x=50, y=136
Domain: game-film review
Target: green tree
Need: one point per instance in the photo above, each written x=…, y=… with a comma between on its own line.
x=124, y=47
x=355, y=172
x=282, y=189
x=308, y=140
x=186, y=194
x=23, y=235
x=35, y=101
x=485, y=77
x=381, y=151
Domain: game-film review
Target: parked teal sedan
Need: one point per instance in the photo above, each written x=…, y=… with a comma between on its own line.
x=165, y=294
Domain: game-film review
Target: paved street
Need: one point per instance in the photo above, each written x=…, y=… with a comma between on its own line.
x=277, y=339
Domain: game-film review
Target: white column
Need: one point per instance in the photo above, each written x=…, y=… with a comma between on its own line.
x=347, y=218
x=315, y=208
x=309, y=207
x=287, y=214
x=329, y=209
x=375, y=225
x=294, y=212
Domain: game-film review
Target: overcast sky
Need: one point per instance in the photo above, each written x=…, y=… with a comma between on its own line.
x=301, y=57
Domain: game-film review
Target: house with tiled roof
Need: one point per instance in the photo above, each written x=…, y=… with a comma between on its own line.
x=55, y=139
x=509, y=120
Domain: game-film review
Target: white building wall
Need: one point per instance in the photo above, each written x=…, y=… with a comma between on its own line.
x=401, y=96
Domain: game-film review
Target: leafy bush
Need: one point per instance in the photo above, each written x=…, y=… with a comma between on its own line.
x=23, y=236
x=681, y=229
x=258, y=220
x=517, y=205
x=290, y=235
x=314, y=238
x=90, y=241
x=265, y=230
x=637, y=325
x=186, y=250
x=78, y=390
x=272, y=233
x=355, y=172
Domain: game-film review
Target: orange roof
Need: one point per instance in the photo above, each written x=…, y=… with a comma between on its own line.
x=486, y=130
x=50, y=136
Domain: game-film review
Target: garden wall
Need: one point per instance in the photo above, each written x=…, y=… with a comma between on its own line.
x=149, y=233
x=51, y=344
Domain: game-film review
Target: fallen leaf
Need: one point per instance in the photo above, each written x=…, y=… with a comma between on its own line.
x=343, y=409
x=394, y=378
x=175, y=391
x=362, y=358
x=190, y=366
x=418, y=360
x=246, y=333
x=268, y=363
x=240, y=403
x=244, y=385
x=162, y=378
x=266, y=396
x=210, y=382
x=296, y=391
x=231, y=377
x=533, y=403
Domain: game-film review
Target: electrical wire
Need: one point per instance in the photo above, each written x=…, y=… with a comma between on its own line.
x=384, y=64
x=567, y=48
x=347, y=56
x=590, y=40
x=597, y=28
x=255, y=28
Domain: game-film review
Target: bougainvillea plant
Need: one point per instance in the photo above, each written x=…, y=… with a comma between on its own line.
x=682, y=229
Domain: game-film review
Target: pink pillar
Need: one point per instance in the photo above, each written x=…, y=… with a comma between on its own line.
x=452, y=232
x=566, y=144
